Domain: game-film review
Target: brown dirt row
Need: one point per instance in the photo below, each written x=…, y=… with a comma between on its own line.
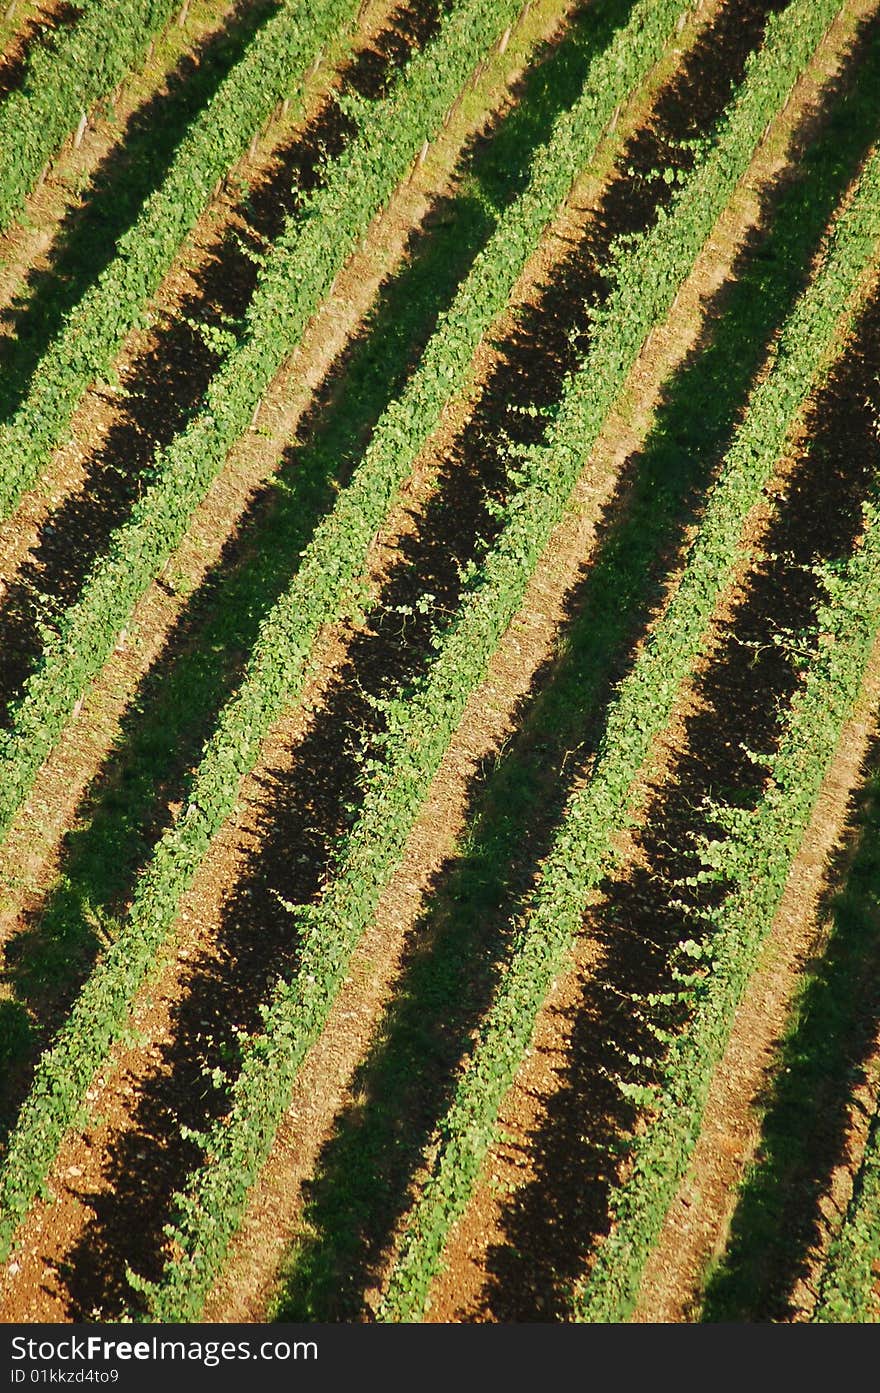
x=529, y=1196
x=29, y=858
x=830, y=1209
x=88, y=487
x=696, y=1226
x=198, y=900
x=772, y=1237
x=353, y=293
x=557, y=1089
x=24, y=27
x=268, y=864
x=14, y=18
x=77, y=1177
x=28, y=248
x=275, y=1216
x=33, y=842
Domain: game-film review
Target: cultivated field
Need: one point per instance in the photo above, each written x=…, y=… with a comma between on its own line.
x=440, y=682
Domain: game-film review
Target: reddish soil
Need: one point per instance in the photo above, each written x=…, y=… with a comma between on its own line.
x=395, y=228
x=543, y=1201
x=33, y=26
x=84, y=178
x=31, y=852
x=696, y=1226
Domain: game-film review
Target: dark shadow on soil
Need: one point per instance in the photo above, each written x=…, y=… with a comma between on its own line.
x=554, y=1221
x=452, y=957
x=86, y=239
x=36, y=32
x=778, y=1224
x=166, y=384
x=132, y=799
x=308, y=805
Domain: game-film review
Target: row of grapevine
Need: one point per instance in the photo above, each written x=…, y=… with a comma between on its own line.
x=272, y=69
x=419, y=734
x=848, y=1283
x=756, y=859
x=64, y=78
x=754, y=855
x=580, y=853
x=335, y=554
x=296, y=275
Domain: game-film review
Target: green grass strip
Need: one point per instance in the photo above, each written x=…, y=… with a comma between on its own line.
x=62, y=81
x=298, y=272
x=848, y=1288
x=296, y=276
x=756, y=859
x=333, y=558
x=848, y=1284
x=272, y=67
x=420, y=729
x=637, y=715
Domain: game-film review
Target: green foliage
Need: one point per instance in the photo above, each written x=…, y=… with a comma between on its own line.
x=295, y=277
x=328, y=566
x=754, y=861
x=209, y=1210
x=296, y=274
x=63, y=80
x=92, y=334
x=848, y=1284
x=640, y=710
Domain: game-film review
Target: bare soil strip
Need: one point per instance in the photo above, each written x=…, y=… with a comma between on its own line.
x=269, y=911
x=698, y=1222
x=31, y=848
x=576, y=1140
x=412, y=202
x=524, y=1240
x=23, y=28
x=234, y=931
x=231, y=525
x=92, y=182
x=163, y=374
x=357, y=1151
x=804, y=1117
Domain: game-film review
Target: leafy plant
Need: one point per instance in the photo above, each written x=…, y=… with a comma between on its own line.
x=63, y=79
x=639, y=711
x=208, y=1210
x=328, y=566
x=273, y=67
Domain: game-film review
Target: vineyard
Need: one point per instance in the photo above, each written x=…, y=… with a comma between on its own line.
x=440, y=682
